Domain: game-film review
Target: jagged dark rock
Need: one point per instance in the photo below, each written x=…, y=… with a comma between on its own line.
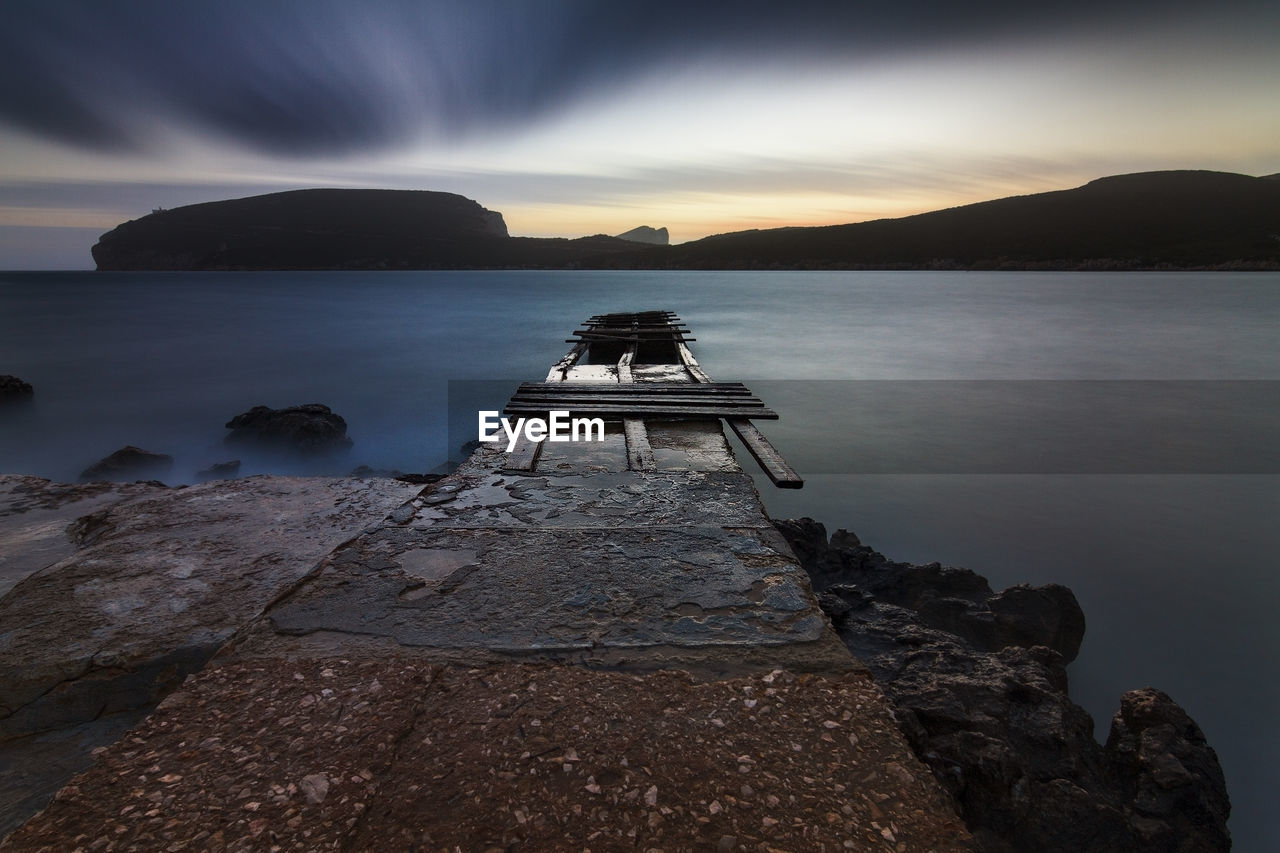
x=395, y=474
x=219, y=471
x=1170, y=775
x=978, y=681
x=949, y=599
x=129, y=463
x=311, y=428
x=420, y=479
x=13, y=389
x=89, y=528
x=1046, y=615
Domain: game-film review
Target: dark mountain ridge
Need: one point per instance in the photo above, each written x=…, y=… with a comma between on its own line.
x=1150, y=220
x=1146, y=220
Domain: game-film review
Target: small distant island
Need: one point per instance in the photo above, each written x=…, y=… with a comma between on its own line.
x=1149, y=220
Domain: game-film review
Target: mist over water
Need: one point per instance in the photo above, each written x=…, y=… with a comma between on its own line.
x=1113, y=432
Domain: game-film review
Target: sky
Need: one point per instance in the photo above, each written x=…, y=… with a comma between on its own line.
x=576, y=117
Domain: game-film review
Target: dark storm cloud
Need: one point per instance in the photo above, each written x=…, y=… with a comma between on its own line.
x=326, y=77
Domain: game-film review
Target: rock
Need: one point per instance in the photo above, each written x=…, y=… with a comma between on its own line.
x=309, y=229
x=1040, y=616
x=158, y=583
x=315, y=787
x=89, y=528
x=648, y=235
x=41, y=522
x=311, y=428
x=958, y=601
x=394, y=474
x=129, y=463
x=420, y=479
x=1170, y=775
x=159, y=580
x=219, y=471
x=13, y=389
x=979, y=685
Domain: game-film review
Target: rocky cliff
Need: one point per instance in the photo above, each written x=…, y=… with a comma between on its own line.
x=307, y=229
x=1186, y=219
x=978, y=681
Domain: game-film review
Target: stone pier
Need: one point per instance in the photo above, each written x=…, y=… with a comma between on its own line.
x=579, y=657
x=583, y=561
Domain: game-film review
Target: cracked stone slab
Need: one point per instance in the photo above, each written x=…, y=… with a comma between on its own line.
x=605, y=500
x=608, y=567
x=558, y=589
x=35, y=515
x=165, y=578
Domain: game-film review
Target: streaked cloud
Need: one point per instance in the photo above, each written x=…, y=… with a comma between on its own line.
x=575, y=116
x=307, y=76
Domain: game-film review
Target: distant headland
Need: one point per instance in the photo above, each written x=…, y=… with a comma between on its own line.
x=1149, y=220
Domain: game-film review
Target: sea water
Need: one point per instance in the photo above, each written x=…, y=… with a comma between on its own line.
x=1116, y=433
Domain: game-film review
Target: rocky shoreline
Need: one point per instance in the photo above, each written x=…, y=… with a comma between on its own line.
x=123, y=591
x=978, y=683
x=120, y=591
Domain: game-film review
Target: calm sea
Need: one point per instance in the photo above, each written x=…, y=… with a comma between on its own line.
x=1113, y=432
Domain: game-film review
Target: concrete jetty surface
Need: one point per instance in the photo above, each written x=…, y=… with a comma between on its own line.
x=578, y=656
x=583, y=561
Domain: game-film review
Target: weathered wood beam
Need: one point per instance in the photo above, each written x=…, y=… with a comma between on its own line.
x=524, y=456
x=700, y=389
x=691, y=364
x=639, y=452
x=642, y=410
x=624, y=365
x=782, y=474
x=561, y=367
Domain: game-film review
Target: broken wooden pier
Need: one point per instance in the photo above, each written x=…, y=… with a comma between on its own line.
x=637, y=368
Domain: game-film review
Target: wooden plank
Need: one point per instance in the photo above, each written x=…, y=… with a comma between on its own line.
x=639, y=452
x=691, y=364
x=646, y=316
x=636, y=390
x=664, y=401
x=661, y=373
x=624, y=364
x=660, y=401
x=647, y=410
x=653, y=332
x=700, y=389
x=623, y=338
x=649, y=388
x=657, y=328
x=561, y=367
x=643, y=316
x=633, y=329
x=766, y=455
x=782, y=474
x=579, y=401
x=524, y=456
